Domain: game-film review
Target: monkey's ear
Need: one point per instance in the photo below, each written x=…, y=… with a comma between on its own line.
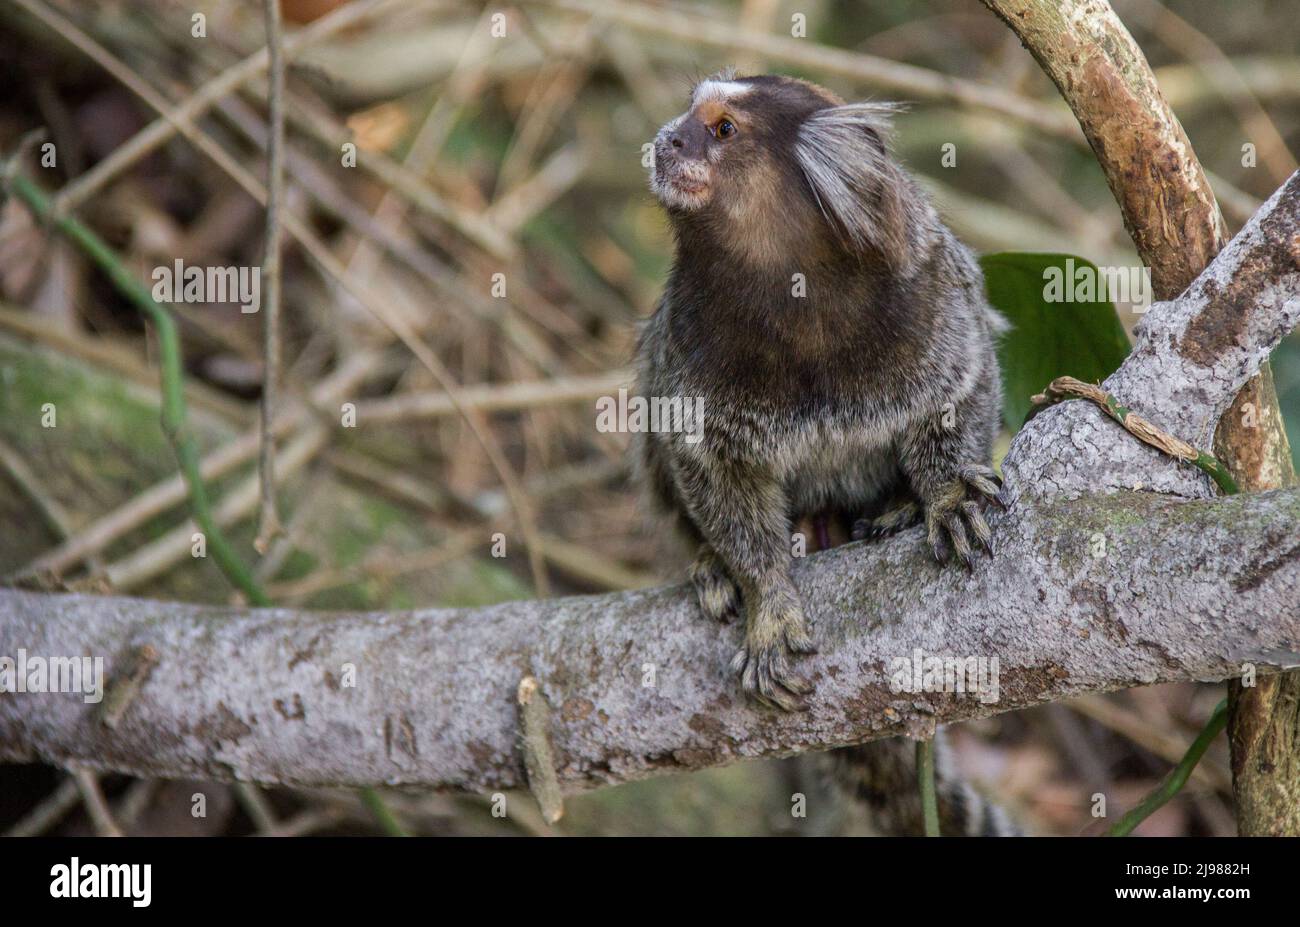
x=842, y=151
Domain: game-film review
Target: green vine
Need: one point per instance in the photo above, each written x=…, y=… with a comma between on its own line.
x=1177, y=777
x=175, y=420
x=929, y=798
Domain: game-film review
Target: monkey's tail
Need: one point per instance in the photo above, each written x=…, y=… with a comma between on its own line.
x=881, y=775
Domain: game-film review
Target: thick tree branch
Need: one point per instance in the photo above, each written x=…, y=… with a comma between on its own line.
x=1191, y=357
x=1184, y=590
x=1167, y=204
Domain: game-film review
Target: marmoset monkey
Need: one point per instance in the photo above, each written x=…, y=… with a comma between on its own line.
x=840, y=338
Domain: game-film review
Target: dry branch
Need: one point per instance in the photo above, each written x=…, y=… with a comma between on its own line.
x=1101, y=72
x=1187, y=590
x=268, y=524
x=1192, y=356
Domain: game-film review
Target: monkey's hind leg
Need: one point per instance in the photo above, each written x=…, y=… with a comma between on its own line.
x=891, y=522
x=775, y=629
x=741, y=512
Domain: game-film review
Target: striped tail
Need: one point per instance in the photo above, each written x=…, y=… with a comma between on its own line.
x=882, y=776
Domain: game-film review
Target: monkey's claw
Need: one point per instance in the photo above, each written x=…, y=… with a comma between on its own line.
x=765, y=674
x=985, y=483
x=763, y=664
x=954, y=520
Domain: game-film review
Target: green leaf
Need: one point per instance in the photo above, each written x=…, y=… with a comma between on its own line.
x=1286, y=379
x=1078, y=338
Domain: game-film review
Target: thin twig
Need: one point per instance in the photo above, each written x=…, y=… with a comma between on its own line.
x=538, y=753
x=592, y=566
x=495, y=397
x=50, y=508
x=1070, y=388
x=258, y=809
x=132, y=805
x=268, y=523
x=1165, y=745
x=520, y=203
x=309, y=821
x=126, y=687
x=51, y=809
x=93, y=798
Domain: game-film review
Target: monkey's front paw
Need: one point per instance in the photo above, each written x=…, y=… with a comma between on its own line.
x=719, y=597
x=955, y=516
x=763, y=664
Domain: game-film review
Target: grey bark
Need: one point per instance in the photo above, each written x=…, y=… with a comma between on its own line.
x=1092, y=589
x=1185, y=590
x=1193, y=354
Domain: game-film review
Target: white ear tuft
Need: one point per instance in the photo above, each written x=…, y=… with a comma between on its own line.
x=842, y=151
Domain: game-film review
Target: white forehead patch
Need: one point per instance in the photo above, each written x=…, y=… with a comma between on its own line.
x=719, y=90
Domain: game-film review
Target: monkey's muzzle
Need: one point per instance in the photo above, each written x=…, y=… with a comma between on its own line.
x=678, y=179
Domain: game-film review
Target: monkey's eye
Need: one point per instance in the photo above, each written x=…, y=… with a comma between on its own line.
x=724, y=129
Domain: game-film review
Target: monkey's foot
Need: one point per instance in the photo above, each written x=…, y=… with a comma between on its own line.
x=719, y=597
x=893, y=521
x=763, y=664
x=955, y=515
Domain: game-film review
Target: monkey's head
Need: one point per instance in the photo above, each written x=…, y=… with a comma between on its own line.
x=770, y=167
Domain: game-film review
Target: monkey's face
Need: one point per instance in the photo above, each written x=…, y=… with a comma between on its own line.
x=726, y=144
x=689, y=150
x=770, y=166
